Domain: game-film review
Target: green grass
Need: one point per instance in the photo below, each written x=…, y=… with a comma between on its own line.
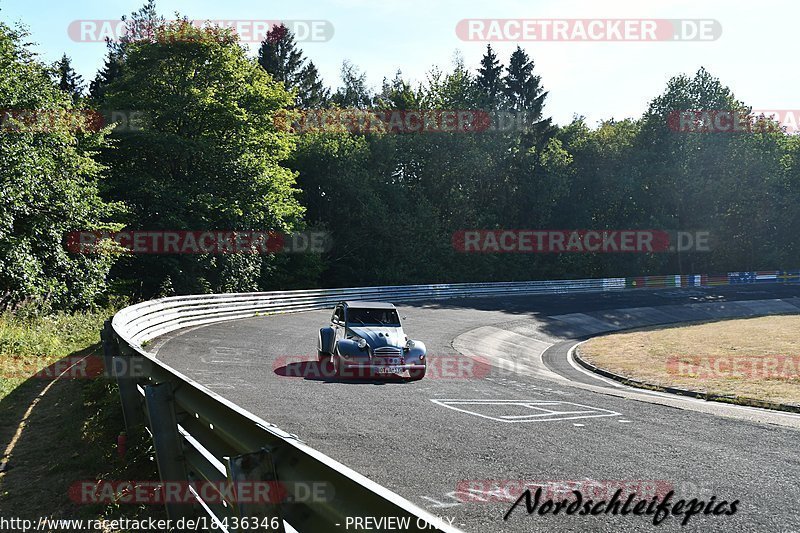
x=32, y=343
x=59, y=434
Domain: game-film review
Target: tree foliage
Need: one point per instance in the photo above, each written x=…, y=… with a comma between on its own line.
x=208, y=157
x=280, y=57
x=211, y=155
x=630, y=174
x=67, y=79
x=49, y=179
x=489, y=81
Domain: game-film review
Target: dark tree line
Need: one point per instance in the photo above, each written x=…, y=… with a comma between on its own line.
x=394, y=201
x=211, y=156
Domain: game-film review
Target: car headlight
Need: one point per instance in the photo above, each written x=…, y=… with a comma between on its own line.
x=362, y=343
x=409, y=344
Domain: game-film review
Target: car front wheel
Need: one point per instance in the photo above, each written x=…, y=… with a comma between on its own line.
x=416, y=374
x=338, y=366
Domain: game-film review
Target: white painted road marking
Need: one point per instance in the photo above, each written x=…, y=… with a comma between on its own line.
x=509, y=410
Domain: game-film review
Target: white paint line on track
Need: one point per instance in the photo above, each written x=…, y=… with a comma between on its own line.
x=515, y=353
x=545, y=415
x=574, y=364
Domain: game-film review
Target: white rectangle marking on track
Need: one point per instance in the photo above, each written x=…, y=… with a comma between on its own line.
x=500, y=410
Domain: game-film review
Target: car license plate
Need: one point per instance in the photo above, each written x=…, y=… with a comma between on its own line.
x=390, y=369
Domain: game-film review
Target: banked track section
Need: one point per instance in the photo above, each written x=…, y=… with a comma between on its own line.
x=518, y=353
x=201, y=436
x=418, y=441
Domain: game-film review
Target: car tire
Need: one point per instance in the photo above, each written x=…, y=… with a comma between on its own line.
x=336, y=361
x=323, y=357
x=416, y=375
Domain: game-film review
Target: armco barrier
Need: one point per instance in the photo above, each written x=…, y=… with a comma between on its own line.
x=201, y=438
x=198, y=436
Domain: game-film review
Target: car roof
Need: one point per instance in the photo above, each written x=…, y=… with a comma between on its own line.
x=368, y=305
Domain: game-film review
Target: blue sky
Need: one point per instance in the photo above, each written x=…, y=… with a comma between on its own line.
x=597, y=80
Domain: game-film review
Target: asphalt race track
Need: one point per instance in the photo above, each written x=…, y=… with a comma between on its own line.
x=450, y=455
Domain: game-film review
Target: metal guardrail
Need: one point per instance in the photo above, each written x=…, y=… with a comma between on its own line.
x=147, y=320
x=201, y=438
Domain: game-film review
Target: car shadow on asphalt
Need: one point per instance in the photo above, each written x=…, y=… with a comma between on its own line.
x=316, y=371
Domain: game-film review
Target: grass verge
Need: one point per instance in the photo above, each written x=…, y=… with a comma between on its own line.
x=752, y=358
x=57, y=432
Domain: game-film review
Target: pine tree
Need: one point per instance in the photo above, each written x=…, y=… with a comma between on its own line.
x=111, y=70
x=489, y=80
x=67, y=79
x=522, y=88
x=279, y=56
x=311, y=92
x=140, y=25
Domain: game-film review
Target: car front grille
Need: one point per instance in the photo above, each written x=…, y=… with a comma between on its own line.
x=388, y=351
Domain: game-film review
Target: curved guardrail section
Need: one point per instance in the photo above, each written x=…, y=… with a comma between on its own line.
x=202, y=439
x=151, y=319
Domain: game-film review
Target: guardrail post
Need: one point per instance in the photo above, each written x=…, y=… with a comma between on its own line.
x=128, y=395
x=107, y=336
x=249, y=473
x=167, y=443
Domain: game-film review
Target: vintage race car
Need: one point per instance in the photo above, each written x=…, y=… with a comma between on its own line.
x=366, y=338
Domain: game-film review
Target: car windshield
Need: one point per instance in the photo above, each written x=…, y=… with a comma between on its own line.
x=373, y=317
